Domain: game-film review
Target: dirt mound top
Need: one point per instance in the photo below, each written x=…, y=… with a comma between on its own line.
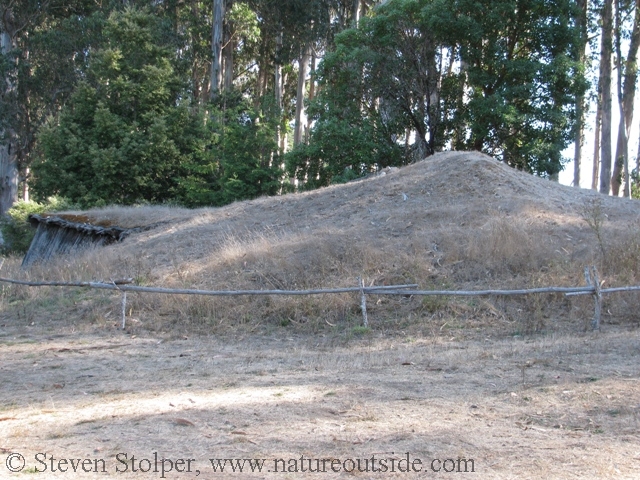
x=446, y=188
x=416, y=204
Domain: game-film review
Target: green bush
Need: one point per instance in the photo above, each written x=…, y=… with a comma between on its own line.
x=16, y=231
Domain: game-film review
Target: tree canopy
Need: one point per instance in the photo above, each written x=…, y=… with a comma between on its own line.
x=112, y=103
x=489, y=76
x=126, y=133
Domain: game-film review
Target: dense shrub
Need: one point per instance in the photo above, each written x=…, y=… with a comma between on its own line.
x=17, y=233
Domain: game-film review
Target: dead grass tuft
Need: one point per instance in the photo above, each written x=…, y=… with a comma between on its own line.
x=131, y=217
x=503, y=246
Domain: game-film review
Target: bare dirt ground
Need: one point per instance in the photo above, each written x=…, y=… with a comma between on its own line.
x=516, y=387
x=557, y=406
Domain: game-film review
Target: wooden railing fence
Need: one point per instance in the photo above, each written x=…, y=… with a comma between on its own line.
x=593, y=287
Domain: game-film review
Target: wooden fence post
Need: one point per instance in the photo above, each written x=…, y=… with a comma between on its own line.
x=597, y=296
x=124, y=309
x=363, y=303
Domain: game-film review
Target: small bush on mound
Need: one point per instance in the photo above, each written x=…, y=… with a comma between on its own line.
x=16, y=231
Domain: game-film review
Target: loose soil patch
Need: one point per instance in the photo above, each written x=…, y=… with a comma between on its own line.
x=556, y=406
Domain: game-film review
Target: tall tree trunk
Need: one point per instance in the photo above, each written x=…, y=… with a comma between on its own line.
x=9, y=174
x=25, y=184
x=459, y=134
x=263, y=68
x=578, y=140
x=312, y=85
x=300, y=110
x=596, y=144
x=433, y=97
x=228, y=64
x=605, y=84
x=637, y=169
x=356, y=13
x=197, y=81
x=217, y=35
x=278, y=87
x=581, y=55
x=278, y=71
x=228, y=49
x=626, y=99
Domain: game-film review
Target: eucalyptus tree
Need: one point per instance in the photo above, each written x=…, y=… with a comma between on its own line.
x=8, y=91
x=368, y=94
x=217, y=44
x=581, y=19
x=522, y=78
x=604, y=90
x=495, y=76
x=44, y=48
x=627, y=70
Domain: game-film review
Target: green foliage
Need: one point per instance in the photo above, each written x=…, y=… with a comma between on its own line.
x=476, y=75
x=359, y=330
x=241, y=163
x=301, y=22
x=129, y=135
x=17, y=233
x=342, y=150
x=126, y=92
x=250, y=166
x=635, y=184
x=522, y=81
x=348, y=175
x=124, y=135
x=52, y=41
x=355, y=128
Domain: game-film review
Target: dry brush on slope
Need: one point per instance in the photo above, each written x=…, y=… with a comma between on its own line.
x=455, y=220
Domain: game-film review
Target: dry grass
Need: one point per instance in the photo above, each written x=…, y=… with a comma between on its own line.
x=132, y=217
x=516, y=383
x=459, y=221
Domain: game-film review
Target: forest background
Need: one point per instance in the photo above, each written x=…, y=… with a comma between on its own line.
x=199, y=103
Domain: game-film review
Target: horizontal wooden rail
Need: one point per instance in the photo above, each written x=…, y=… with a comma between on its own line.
x=470, y=293
x=123, y=285
x=112, y=283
